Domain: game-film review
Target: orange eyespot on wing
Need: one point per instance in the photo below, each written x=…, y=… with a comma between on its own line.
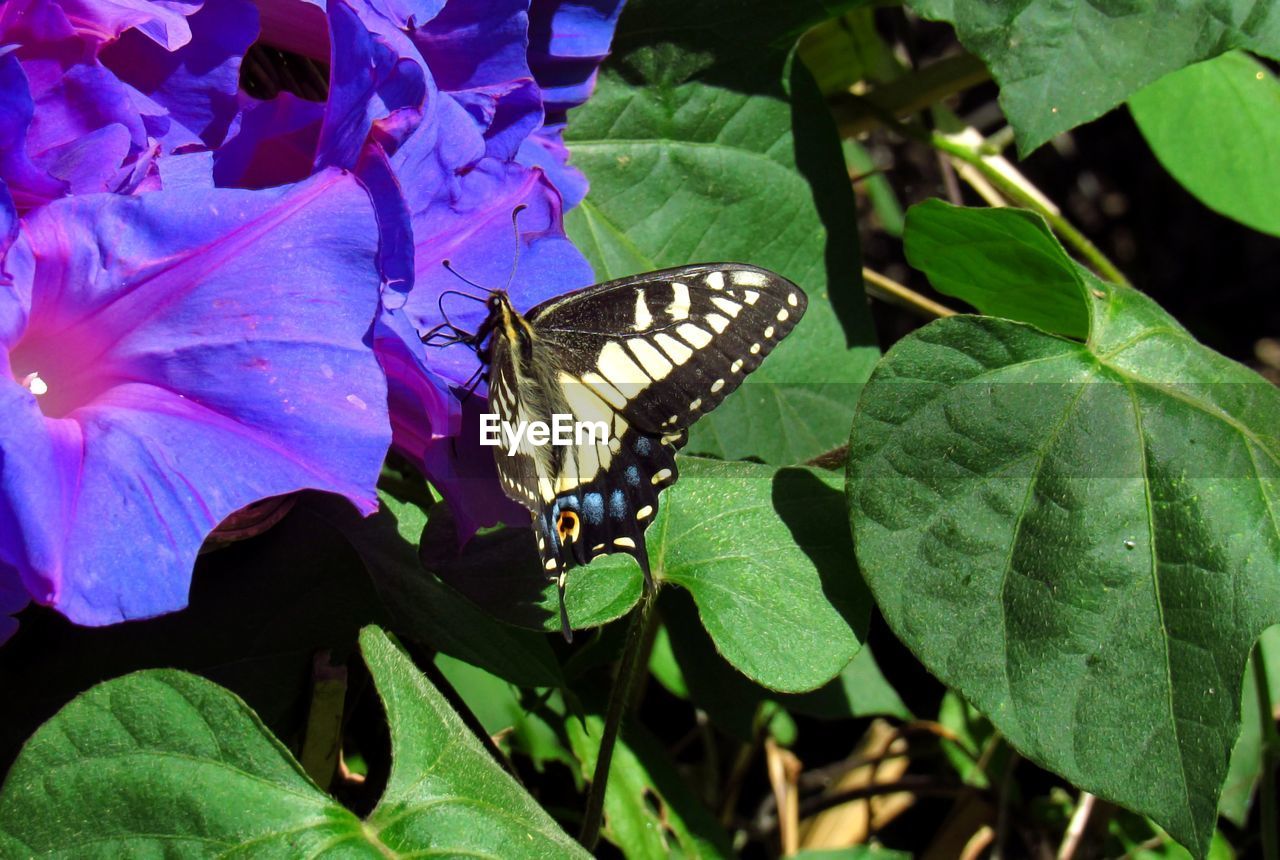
x=568, y=527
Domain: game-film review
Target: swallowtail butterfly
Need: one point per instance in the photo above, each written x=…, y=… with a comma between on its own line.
x=646, y=355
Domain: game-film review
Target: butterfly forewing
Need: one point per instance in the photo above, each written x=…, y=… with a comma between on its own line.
x=666, y=347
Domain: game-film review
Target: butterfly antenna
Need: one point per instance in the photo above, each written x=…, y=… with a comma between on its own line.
x=449, y=265
x=515, y=228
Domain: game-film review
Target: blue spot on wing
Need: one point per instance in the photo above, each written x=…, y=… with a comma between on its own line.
x=643, y=446
x=633, y=476
x=617, y=505
x=593, y=508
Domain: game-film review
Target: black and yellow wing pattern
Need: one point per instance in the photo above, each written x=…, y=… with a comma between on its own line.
x=628, y=365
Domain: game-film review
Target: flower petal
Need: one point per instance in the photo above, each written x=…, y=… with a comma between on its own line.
x=202, y=350
x=568, y=40
x=197, y=83
x=29, y=184
x=368, y=81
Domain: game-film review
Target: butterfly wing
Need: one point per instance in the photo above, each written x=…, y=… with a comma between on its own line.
x=642, y=358
x=666, y=347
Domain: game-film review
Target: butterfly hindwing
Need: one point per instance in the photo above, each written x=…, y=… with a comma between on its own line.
x=666, y=347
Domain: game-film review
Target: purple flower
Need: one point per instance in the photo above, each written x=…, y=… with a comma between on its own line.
x=167, y=359
x=235, y=298
x=472, y=152
x=94, y=92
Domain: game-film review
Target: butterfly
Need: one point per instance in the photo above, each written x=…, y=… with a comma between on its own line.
x=636, y=361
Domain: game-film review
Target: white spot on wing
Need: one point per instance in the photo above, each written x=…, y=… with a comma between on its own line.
x=679, y=307
x=717, y=322
x=715, y=280
x=601, y=387
x=750, y=296
x=679, y=352
x=768, y=332
x=625, y=542
x=621, y=372
x=782, y=315
x=729, y=307
x=792, y=300
x=696, y=336
x=736, y=366
x=660, y=476
x=653, y=362
x=644, y=512
x=717, y=385
x=755, y=349
x=644, y=319
x=749, y=279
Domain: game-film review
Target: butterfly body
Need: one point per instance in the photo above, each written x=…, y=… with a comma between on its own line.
x=642, y=358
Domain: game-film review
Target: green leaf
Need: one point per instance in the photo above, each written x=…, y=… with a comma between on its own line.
x=518, y=718
x=1005, y=263
x=704, y=142
x=732, y=700
x=1139, y=839
x=259, y=611
x=1080, y=538
x=649, y=810
x=764, y=552
x=1245, y=768
x=664, y=667
x=765, y=556
x=1063, y=64
x=1215, y=127
x=425, y=609
x=163, y=763
x=445, y=792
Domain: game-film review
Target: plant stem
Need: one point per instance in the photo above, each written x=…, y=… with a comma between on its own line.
x=1015, y=192
x=883, y=287
x=1268, y=817
x=631, y=670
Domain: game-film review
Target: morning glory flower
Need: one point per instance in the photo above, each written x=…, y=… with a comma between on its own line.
x=94, y=94
x=475, y=150
x=167, y=359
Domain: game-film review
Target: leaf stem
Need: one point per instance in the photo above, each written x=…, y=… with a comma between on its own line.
x=631, y=670
x=885, y=288
x=1019, y=194
x=1268, y=817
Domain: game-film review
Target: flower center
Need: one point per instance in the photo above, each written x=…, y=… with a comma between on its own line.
x=33, y=383
x=54, y=370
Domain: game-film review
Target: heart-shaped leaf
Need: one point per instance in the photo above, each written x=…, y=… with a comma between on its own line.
x=1063, y=64
x=764, y=552
x=165, y=763
x=1081, y=538
x=703, y=142
x=1215, y=127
